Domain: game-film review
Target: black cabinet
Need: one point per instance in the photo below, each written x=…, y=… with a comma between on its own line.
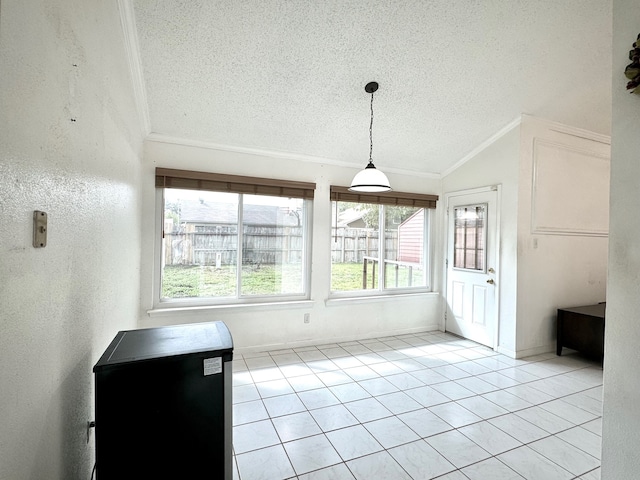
x=163, y=404
x=582, y=329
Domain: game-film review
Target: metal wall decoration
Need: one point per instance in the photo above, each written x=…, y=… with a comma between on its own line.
x=632, y=71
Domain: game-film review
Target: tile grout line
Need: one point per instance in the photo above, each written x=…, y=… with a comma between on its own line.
x=400, y=390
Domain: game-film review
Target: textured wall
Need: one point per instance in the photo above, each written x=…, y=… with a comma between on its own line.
x=69, y=145
x=621, y=422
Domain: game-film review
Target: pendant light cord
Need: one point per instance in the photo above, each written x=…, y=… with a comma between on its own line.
x=371, y=132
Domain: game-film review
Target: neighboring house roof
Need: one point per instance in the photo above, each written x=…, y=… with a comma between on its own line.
x=416, y=215
x=203, y=212
x=350, y=218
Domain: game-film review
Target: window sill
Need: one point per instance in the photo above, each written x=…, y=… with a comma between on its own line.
x=336, y=301
x=163, y=311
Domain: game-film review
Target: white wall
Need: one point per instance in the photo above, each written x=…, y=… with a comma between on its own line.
x=541, y=269
x=61, y=305
x=497, y=164
x=621, y=422
x=558, y=266
x=261, y=327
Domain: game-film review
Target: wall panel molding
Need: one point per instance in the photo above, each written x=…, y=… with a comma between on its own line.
x=570, y=190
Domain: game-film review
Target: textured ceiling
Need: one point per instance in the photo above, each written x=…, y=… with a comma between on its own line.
x=289, y=75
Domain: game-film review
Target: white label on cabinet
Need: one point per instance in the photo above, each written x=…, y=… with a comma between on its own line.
x=212, y=366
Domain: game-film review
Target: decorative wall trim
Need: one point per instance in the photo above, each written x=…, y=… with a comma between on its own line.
x=565, y=198
x=569, y=130
x=575, y=132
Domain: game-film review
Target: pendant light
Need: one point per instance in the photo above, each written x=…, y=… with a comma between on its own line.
x=370, y=180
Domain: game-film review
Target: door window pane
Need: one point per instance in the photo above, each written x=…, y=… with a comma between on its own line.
x=469, y=237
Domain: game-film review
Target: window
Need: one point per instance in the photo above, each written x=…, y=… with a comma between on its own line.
x=469, y=237
x=380, y=241
x=230, y=239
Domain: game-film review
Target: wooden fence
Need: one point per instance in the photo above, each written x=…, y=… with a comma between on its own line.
x=217, y=245
x=352, y=245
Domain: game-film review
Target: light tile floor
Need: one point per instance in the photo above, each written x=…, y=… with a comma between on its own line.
x=421, y=406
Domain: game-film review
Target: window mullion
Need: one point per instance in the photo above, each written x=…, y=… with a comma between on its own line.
x=465, y=247
x=382, y=238
x=240, y=249
x=306, y=252
x=426, y=241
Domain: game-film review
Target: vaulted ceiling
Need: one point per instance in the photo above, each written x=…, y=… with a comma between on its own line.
x=288, y=75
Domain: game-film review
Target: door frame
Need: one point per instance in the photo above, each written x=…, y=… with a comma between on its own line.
x=461, y=193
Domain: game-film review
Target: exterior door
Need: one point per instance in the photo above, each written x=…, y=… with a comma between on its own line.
x=471, y=265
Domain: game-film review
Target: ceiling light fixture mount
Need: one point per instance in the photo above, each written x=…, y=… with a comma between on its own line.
x=370, y=180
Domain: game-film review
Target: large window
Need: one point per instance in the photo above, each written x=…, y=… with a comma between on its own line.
x=232, y=239
x=380, y=241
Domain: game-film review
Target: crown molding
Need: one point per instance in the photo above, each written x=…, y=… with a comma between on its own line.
x=569, y=130
x=493, y=138
x=161, y=138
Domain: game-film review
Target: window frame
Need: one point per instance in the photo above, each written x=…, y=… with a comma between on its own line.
x=426, y=202
x=231, y=184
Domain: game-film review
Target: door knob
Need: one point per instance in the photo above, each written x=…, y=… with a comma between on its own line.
x=490, y=281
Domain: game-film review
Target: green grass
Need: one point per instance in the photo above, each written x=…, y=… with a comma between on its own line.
x=180, y=281
x=346, y=277
x=189, y=281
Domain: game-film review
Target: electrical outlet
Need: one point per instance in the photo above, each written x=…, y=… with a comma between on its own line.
x=307, y=317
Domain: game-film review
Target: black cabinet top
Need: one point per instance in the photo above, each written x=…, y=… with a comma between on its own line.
x=152, y=343
x=596, y=310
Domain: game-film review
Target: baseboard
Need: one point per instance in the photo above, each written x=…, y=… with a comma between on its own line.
x=329, y=340
x=529, y=352
x=507, y=352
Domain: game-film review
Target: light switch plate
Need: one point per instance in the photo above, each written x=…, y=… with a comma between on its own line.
x=39, y=229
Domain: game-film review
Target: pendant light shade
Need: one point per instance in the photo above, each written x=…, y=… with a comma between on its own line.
x=370, y=180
